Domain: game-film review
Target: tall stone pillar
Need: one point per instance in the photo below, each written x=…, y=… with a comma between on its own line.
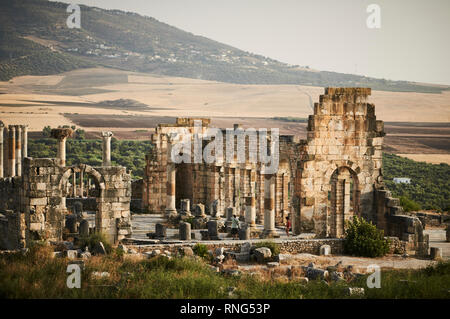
x=81, y=184
x=2, y=127
x=61, y=134
x=18, y=150
x=12, y=151
x=106, y=148
x=269, y=207
x=74, y=184
x=171, y=210
x=24, y=142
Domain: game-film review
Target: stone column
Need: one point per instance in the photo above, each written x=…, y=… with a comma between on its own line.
x=81, y=184
x=88, y=186
x=170, y=197
x=185, y=231
x=106, y=148
x=250, y=211
x=12, y=151
x=269, y=207
x=74, y=184
x=61, y=134
x=2, y=127
x=18, y=150
x=24, y=142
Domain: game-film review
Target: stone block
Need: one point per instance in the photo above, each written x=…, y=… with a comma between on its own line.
x=160, y=231
x=325, y=250
x=185, y=231
x=435, y=253
x=262, y=254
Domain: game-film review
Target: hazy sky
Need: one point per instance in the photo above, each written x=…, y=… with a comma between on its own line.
x=412, y=44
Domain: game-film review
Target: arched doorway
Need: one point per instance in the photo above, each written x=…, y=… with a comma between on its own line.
x=82, y=189
x=343, y=199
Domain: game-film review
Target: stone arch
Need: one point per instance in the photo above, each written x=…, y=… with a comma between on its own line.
x=343, y=199
x=98, y=180
x=86, y=169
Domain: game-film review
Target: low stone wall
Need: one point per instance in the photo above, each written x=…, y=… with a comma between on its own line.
x=397, y=246
x=287, y=246
x=312, y=246
x=431, y=219
x=293, y=246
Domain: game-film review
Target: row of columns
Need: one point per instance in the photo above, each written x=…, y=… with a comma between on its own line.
x=250, y=207
x=15, y=145
x=61, y=134
x=74, y=191
x=13, y=149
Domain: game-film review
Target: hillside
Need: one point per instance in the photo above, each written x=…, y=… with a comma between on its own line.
x=34, y=40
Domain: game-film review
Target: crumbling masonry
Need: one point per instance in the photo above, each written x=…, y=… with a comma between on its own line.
x=321, y=182
x=33, y=203
x=334, y=174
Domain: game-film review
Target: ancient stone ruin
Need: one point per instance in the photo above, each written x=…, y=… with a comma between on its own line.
x=320, y=182
x=35, y=191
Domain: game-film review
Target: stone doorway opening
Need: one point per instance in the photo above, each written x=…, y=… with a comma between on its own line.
x=342, y=200
x=82, y=190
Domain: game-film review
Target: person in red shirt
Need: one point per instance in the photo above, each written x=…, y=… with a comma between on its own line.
x=288, y=225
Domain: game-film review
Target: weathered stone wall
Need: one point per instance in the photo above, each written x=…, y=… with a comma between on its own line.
x=292, y=246
x=10, y=190
x=431, y=219
x=38, y=201
x=227, y=184
x=289, y=246
x=392, y=220
x=343, y=161
x=12, y=230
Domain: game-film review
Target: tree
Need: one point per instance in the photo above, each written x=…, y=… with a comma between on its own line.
x=46, y=131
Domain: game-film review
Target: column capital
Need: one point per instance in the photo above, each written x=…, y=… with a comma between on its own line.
x=107, y=134
x=61, y=133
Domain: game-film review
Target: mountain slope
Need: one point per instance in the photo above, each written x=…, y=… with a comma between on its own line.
x=36, y=41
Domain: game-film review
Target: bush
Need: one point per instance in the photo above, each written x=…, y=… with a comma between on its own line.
x=200, y=250
x=364, y=239
x=408, y=204
x=274, y=247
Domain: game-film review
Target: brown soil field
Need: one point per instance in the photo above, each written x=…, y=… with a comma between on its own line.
x=415, y=123
x=429, y=158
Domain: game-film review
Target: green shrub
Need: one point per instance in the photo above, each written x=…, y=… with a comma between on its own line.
x=93, y=239
x=408, y=204
x=274, y=247
x=201, y=250
x=364, y=239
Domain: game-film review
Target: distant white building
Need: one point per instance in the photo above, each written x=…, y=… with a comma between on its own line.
x=404, y=180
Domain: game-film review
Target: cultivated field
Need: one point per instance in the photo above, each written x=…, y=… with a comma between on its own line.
x=416, y=123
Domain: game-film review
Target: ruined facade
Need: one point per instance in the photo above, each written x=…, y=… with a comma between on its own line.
x=217, y=185
x=321, y=182
x=33, y=204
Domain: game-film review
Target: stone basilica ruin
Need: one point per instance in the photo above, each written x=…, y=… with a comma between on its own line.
x=321, y=182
